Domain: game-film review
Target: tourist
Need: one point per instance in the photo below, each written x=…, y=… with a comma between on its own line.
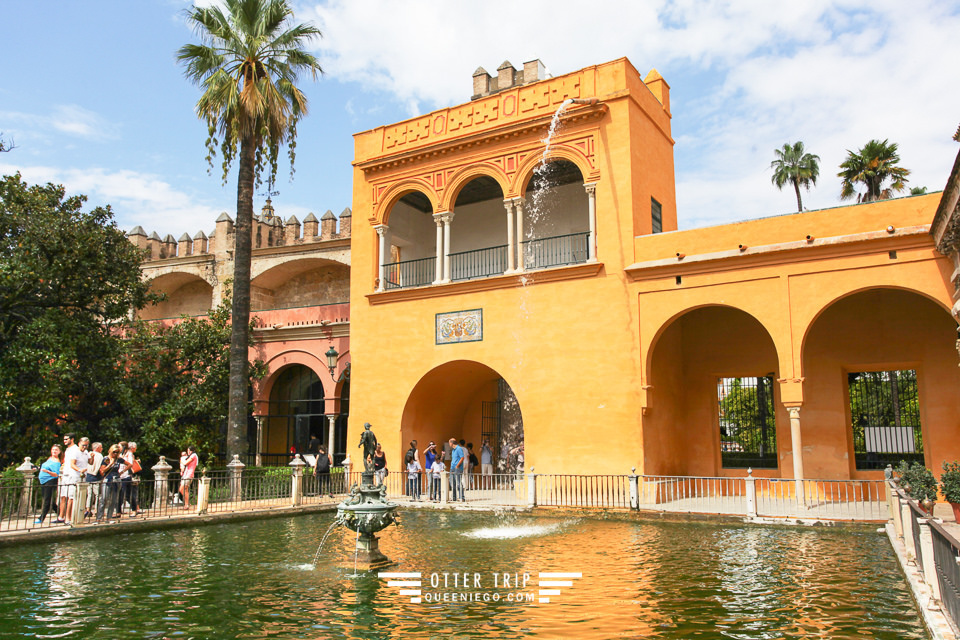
x=129, y=485
x=486, y=463
x=429, y=455
x=472, y=463
x=92, y=478
x=73, y=468
x=436, y=469
x=518, y=452
x=188, y=466
x=313, y=447
x=447, y=450
x=457, y=463
x=322, y=470
x=110, y=469
x=413, y=476
x=49, y=473
x=380, y=464
x=415, y=454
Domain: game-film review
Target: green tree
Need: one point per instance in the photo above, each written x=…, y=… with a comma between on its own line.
x=68, y=278
x=174, y=390
x=918, y=191
x=247, y=65
x=792, y=165
x=872, y=166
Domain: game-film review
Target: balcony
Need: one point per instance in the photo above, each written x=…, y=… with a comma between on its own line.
x=540, y=253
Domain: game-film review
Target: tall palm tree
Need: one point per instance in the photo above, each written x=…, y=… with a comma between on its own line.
x=872, y=165
x=247, y=64
x=792, y=165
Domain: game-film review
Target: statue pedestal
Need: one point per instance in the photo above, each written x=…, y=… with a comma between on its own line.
x=368, y=554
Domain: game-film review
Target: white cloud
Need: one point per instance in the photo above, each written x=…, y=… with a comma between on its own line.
x=136, y=198
x=833, y=73
x=70, y=119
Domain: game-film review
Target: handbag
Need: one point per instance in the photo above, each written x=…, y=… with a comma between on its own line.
x=135, y=467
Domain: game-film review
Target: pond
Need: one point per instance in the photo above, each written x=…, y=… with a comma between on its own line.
x=638, y=579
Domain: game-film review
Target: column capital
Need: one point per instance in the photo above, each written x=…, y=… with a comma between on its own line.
x=590, y=187
x=381, y=229
x=445, y=217
x=794, y=412
x=519, y=201
x=508, y=205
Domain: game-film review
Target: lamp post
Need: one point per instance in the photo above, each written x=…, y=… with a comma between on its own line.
x=332, y=356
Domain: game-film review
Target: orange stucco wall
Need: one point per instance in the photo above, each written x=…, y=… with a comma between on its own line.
x=614, y=363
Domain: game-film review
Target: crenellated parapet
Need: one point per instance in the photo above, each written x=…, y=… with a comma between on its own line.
x=268, y=230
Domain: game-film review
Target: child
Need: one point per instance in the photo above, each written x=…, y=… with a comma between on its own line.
x=413, y=477
x=435, y=472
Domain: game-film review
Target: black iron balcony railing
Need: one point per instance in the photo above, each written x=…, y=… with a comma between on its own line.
x=540, y=253
x=555, y=251
x=409, y=273
x=479, y=263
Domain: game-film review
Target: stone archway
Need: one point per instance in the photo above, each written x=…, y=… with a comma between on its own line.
x=463, y=400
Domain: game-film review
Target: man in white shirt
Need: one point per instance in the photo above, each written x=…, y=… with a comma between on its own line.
x=75, y=461
x=92, y=478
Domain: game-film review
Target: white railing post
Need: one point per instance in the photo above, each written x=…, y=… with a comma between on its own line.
x=236, y=478
x=161, y=474
x=79, y=503
x=203, y=494
x=751, y=494
x=907, y=515
x=634, y=489
x=531, y=488
x=895, y=511
x=929, y=566
x=29, y=471
x=444, y=487
x=296, y=491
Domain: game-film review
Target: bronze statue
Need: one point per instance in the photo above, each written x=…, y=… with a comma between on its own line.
x=369, y=443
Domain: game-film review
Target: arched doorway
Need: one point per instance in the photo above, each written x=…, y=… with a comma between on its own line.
x=295, y=414
x=716, y=407
x=880, y=378
x=468, y=401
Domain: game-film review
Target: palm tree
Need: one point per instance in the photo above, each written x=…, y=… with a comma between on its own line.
x=872, y=165
x=793, y=165
x=247, y=64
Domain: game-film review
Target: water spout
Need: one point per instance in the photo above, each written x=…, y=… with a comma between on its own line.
x=587, y=101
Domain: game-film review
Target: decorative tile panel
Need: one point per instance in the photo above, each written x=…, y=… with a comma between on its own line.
x=460, y=326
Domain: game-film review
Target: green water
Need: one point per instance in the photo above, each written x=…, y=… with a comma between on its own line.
x=639, y=580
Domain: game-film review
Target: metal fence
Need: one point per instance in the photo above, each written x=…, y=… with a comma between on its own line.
x=409, y=273
x=555, y=251
x=885, y=418
x=219, y=491
x=479, y=263
x=932, y=548
x=946, y=554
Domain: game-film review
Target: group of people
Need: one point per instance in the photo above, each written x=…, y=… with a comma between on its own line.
x=111, y=478
x=458, y=454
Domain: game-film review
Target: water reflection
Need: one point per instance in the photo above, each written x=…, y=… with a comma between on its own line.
x=650, y=580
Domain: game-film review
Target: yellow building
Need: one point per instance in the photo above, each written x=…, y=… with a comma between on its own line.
x=543, y=298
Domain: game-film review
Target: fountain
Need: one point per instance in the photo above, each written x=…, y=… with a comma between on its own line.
x=366, y=510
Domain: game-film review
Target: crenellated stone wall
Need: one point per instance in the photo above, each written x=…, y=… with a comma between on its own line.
x=268, y=231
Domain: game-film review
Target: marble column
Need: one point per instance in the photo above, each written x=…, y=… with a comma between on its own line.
x=511, y=263
x=591, y=189
x=382, y=233
x=447, y=219
x=438, y=219
x=797, y=445
x=521, y=261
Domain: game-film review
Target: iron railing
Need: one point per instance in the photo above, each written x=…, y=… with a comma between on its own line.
x=822, y=499
x=946, y=556
x=687, y=494
x=601, y=491
x=555, y=251
x=885, y=416
x=409, y=273
x=479, y=263
x=748, y=434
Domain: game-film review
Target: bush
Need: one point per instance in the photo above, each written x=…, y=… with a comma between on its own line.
x=917, y=481
x=950, y=482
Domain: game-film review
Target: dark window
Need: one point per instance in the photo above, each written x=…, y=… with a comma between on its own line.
x=748, y=434
x=656, y=216
x=885, y=418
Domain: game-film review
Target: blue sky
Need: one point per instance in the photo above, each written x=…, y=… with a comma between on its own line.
x=93, y=98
